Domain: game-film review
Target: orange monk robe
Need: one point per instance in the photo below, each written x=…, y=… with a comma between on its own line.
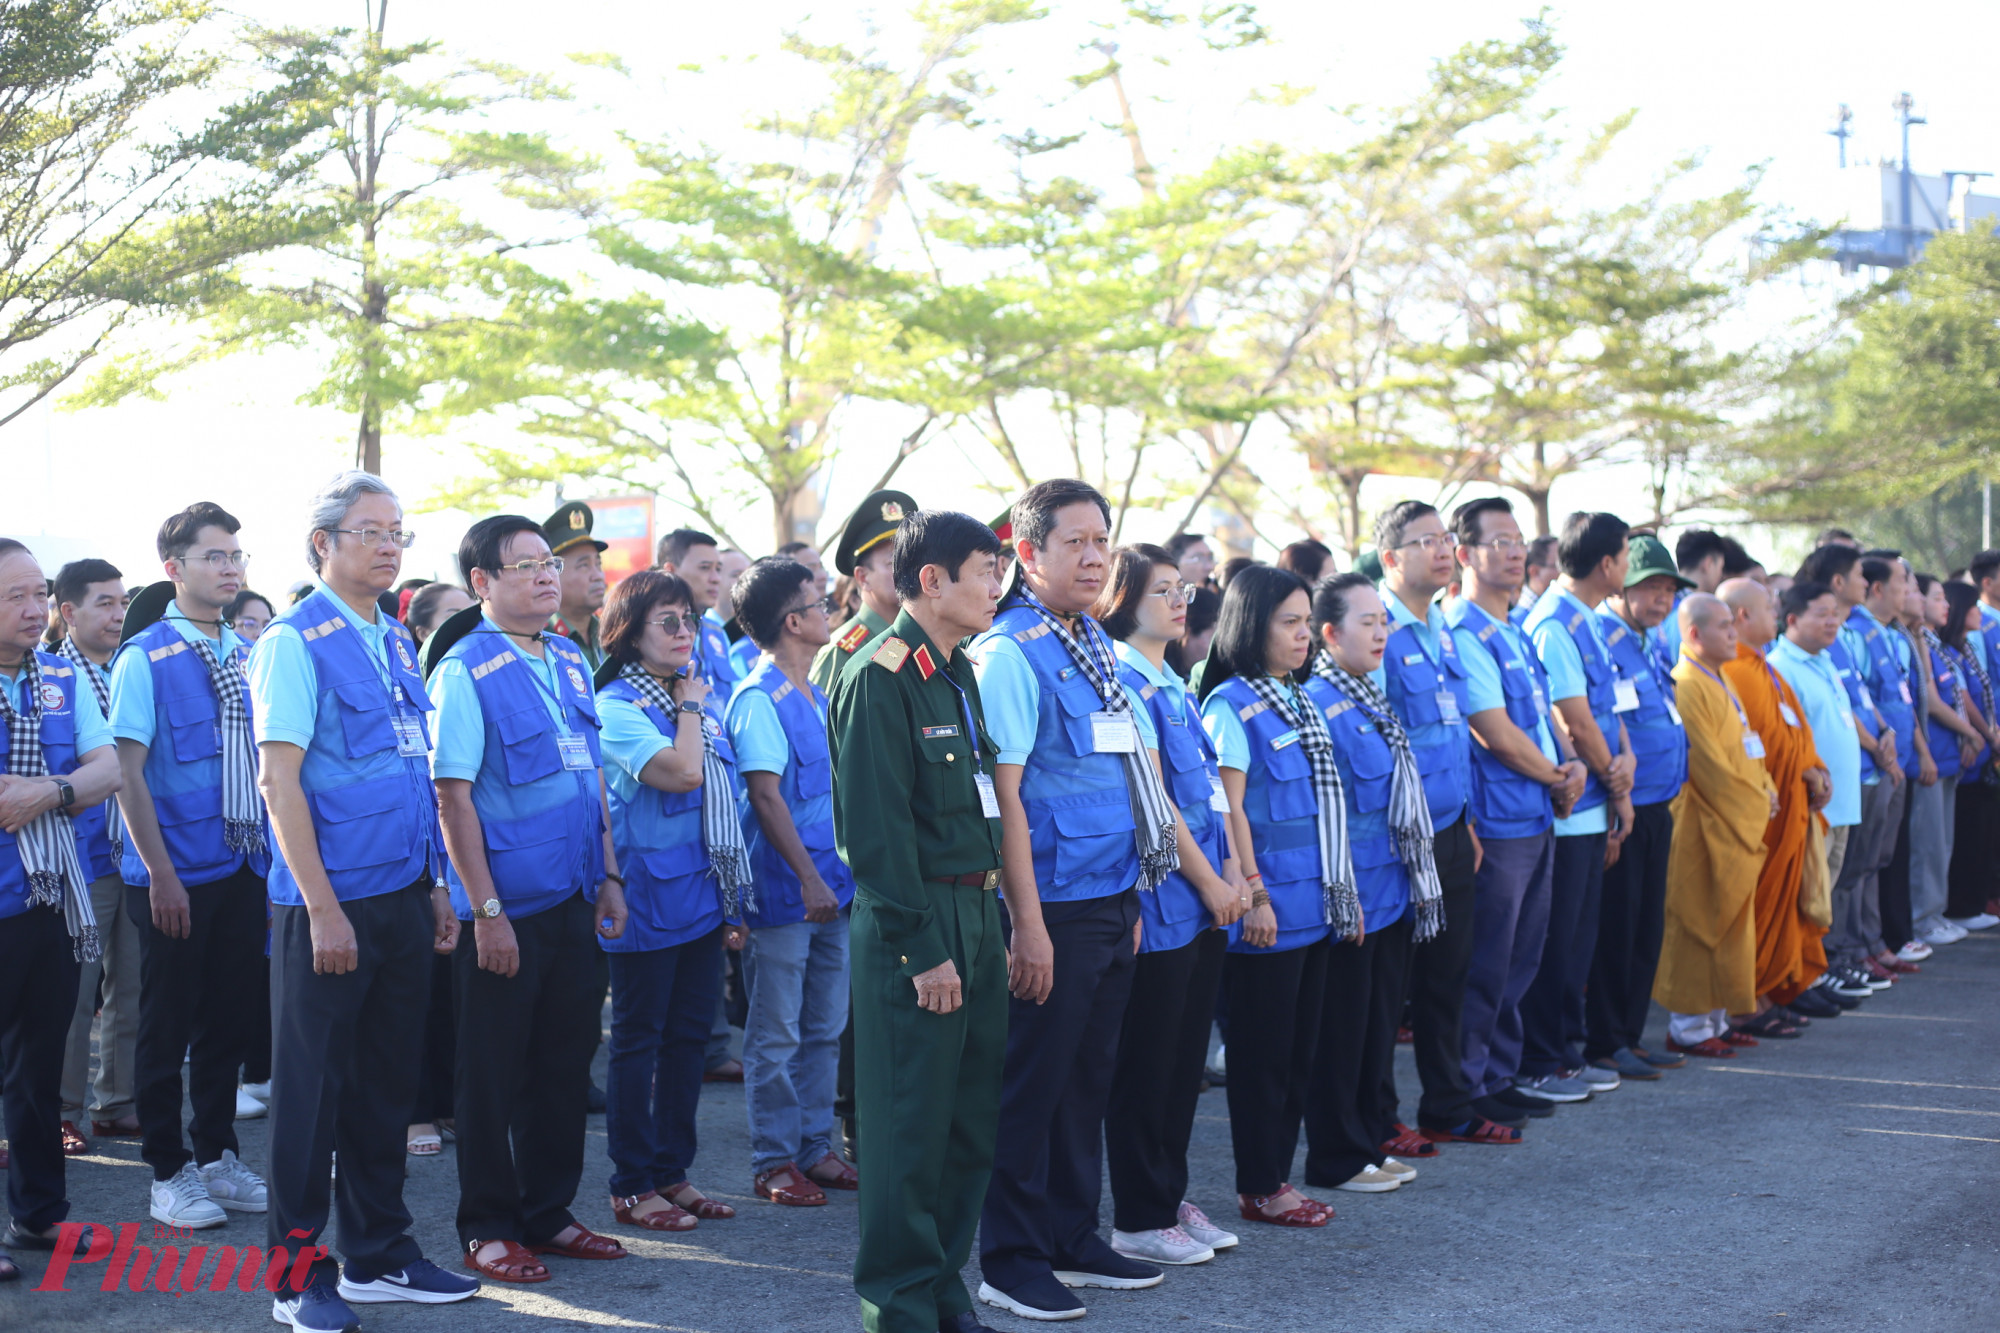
x=1789, y=954
x=1708, y=957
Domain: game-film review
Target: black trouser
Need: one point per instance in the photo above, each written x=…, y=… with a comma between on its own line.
x=257, y=1040
x=524, y=1049
x=1276, y=1000
x=343, y=1074
x=38, y=980
x=1157, y=1083
x=1975, y=850
x=196, y=993
x=1552, y=1026
x=1048, y=1162
x=1895, y=884
x=1631, y=919
x=440, y=1058
x=1437, y=971
x=1359, y=1010
x=843, y=1087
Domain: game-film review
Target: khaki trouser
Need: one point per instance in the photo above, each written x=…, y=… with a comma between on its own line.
x=118, y=1043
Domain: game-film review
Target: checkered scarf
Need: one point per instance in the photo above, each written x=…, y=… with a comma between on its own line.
x=100, y=685
x=1409, y=808
x=242, y=807
x=1152, y=810
x=1340, y=903
x=48, y=841
x=721, y=829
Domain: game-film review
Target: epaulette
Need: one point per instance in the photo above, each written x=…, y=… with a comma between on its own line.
x=852, y=637
x=324, y=628
x=891, y=655
x=923, y=660
x=1031, y=633
x=162, y=654
x=492, y=664
x=782, y=691
x=1148, y=691
x=1250, y=710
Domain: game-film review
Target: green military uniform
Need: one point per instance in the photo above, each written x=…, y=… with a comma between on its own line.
x=567, y=528
x=907, y=814
x=873, y=522
x=828, y=661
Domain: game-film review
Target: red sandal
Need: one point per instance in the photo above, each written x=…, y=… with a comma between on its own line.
x=685, y=1195
x=1712, y=1047
x=786, y=1184
x=1307, y=1213
x=1406, y=1142
x=842, y=1175
x=670, y=1218
x=587, y=1245
x=516, y=1263
x=1476, y=1130
x=1738, y=1037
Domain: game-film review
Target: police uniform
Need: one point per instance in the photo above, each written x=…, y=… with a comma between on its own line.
x=913, y=819
x=570, y=527
x=874, y=521
x=347, y=1048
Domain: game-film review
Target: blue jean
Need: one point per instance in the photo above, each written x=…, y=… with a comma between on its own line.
x=1510, y=921
x=797, y=977
x=662, y=1001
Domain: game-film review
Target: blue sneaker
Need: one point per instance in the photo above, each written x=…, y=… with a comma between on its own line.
x=317, y=1309
x=421, y=1281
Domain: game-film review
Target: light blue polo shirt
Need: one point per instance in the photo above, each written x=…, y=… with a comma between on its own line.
x=286, y=687
x=762, y=746
x=1482, y=680
x=1162, y=677
x=92, y=731
x=629, y=742
x=132, y=714
x=1012, y=700
x=1988, y=637
x=461, y=722
x=1816, y=682
x=1227, y=733
x=1566, y=681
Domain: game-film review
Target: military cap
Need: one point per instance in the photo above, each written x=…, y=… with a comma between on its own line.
x=1003, y=526
x=1369, y=563
x=147, y=606
x=1650, y=560
x=570, y=526
x=874, y=521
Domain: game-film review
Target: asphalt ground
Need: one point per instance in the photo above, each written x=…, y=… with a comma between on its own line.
x=1842, y=1181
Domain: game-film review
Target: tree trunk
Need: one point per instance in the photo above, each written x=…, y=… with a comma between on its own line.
x=368, y=439
x=1540, y=500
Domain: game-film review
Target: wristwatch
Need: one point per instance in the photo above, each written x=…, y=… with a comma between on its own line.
x=690, y=706
x=68, y=794
x=487, y=910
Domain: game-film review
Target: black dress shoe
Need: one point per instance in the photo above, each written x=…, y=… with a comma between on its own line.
x=1502, y=1114
x=1813, y=1004
x=18, y=1237
x=1520, y=1104
x=964, y=1322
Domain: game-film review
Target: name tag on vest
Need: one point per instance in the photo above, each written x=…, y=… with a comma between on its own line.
x=989, y=801
x=1113, y=733
x=1673, y=712
x=1448, y=706
x=1904, y=686
x=1627, y=693
x=1218, y=799
x=409, y=737
x=1283, y=739
x=575, y=751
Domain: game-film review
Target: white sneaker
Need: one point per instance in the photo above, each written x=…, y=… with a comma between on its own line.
x=261, y=1091
x=1195, y=1222
x=1968, y=924
x=1926, y=941
x=248, y=1107
x=1403, y=1171
x=234, y=1185
x=1372, y=1180
x=1167, y=1245
x=184, y=1201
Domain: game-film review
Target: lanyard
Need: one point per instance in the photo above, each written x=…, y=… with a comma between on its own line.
x=1737, y=704
x=965, y=710
x=542, y=685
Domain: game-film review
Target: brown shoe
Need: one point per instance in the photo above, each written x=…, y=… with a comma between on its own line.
x=786, y=1184
x=516, y=1263
x=124, y=1127
x=692, y=1199
x=831, y=1173
x=74, y=1144
x=673, y=1217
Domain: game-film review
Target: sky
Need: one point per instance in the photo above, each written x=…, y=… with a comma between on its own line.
x=1739, y=84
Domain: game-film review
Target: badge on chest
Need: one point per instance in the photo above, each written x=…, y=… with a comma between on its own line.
x=1626, y=692
x=1113, y=733
x=575, y=752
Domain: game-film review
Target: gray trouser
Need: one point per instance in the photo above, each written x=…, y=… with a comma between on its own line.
x=1932, y=811
x=118, y=1043
x=1857, y=910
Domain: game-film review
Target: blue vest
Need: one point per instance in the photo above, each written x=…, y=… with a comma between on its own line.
x=1174, y=913
x=1944, y=741
x=1600, y=677
x=807, y=785
x=1367, y=776
x=374, y=811
x=743, y=656
x=93, y=826
x=1443, y=749
x=1889, y=686
x=1283, y=813
x=1961, y=661
x=1659, y=741
x=670, y=887
x=543, y=823
x=1506, y=804
x=58, y=709
x=184, y=764
x=1860, y=701
x=1079, y=813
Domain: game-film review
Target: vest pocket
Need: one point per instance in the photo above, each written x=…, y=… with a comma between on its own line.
x=345, y=844
x=196, y=733
x=1292, y=795
x=1078, y=702
x=1091, y=839
x=364, y=719
x=191, y=826
x=539, y=852
x=528, y=750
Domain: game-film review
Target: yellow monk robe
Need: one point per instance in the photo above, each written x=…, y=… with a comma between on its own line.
x=1790, y=956
x=1708, y=958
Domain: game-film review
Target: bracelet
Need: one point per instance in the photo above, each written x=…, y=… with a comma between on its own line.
x=1253, y=879
x=612, y=874
x=1259, y=898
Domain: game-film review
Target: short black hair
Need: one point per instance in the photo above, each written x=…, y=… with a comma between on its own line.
x=1588, y=540
x=764, y=592
x=1034, y=514
x=1307, y=558
x=178, y=533
x=1959, y=599
x=1697, y=545
x=1828, y=563
x=1541, y=552
x=1465, y=519
x=1248, y=604
x=1882, y=553
x=942, y=537
x=484, y=541
x=1802, y=594
x=77, y=575
x=243, y=599
x=1330, y=598
x=1180, y=541
x=1983, y=567
x=675, y=546
x=1389, y=527
x=1838, y=536
x=421, y=617
x=1736, y=562
x=1876, y=569
x=793, y=548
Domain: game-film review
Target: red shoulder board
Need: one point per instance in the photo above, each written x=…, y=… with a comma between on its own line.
x=852, y=637
x=922, y=657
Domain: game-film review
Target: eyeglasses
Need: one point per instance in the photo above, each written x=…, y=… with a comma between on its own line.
x=1183, y=593
x=1504, y=545
x=1432, y=542
x=825, y=604
x=673, y=623
x=552, y=565
x=220, y=559
x=376, y=536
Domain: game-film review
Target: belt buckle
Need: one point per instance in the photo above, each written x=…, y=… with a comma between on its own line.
x=992, y=880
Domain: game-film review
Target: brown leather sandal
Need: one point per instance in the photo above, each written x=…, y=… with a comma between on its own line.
x=670, y=1218
x=587, y=1245
x=685, y=1195
x=786, y=1184
x=516, y=1263
x=831, y=1172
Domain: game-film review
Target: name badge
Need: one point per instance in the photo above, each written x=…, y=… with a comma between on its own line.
x=1541, y=703
x=1218, y=799
x=409, y=736
x=575, y=752
x=1448, y=707
x=1674, y=713
x=1282, y=739
x=989, y=802
x=938, y=733
x=1411, y=659
x=1627, y=693
x=1791, y=718
x=1113, y=733
x=1904, y=686
x=1753, y=745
